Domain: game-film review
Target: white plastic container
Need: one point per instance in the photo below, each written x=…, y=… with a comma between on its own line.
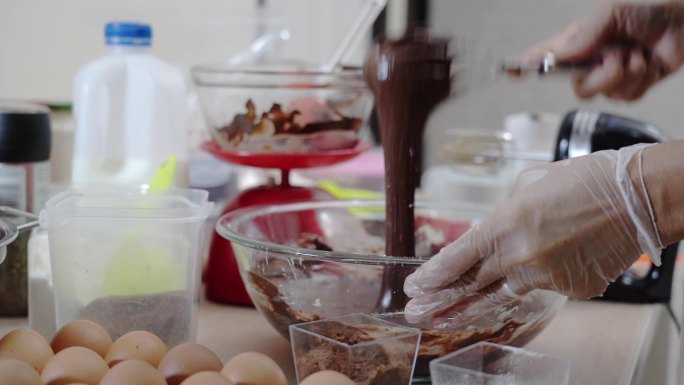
x=128, y=259
x=130, y=113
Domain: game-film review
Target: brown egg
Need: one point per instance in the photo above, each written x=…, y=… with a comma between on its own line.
x=254, y=369
x=73, y=365
x=83, y=333
x=133, y=372
x=187, y=359
x=15, y=372
x=28, y=346
x=207, y=378
x=137, y=345
x=327, y=377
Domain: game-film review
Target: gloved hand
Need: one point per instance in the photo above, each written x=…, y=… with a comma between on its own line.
x=636, y=45
x=572, y=226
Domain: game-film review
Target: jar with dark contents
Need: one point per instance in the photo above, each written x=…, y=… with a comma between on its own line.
x=24, y=184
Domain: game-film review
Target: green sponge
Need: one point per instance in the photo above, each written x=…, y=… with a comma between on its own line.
x=139, y=269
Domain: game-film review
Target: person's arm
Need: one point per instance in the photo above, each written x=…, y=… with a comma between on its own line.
x=571, y=226
x=663, y=171
x=574, y=226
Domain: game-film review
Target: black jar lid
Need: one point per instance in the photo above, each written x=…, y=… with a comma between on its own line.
x=24, y=132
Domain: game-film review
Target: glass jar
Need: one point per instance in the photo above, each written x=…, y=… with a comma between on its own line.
x=24, y=184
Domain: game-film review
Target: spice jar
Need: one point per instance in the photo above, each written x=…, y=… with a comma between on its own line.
x=24, y=184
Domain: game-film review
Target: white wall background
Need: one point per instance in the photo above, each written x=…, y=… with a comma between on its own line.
x=508, y=27
x=44, y=42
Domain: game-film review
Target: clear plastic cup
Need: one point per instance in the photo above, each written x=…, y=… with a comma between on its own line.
x=494, y=364
x=366, y=349
x=129, y=259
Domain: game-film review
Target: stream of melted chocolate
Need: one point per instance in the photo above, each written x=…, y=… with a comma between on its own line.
x=409, y=78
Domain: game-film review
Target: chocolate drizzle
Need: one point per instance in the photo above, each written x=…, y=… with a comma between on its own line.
x=409, y=78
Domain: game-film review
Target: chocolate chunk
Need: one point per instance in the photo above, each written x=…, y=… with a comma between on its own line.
x=277, y=121
x=371, y=364
x=314, y=242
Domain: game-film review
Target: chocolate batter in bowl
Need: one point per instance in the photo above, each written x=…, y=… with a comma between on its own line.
x=307, y=261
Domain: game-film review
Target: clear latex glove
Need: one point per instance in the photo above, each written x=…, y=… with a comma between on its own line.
x=572, y=226
x=634, y=45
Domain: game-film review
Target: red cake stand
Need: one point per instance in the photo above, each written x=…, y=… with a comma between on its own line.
x=222, y=276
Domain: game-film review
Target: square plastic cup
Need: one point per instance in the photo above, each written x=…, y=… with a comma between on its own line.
x=128, y=259
x=364, y=348
x=493, y=364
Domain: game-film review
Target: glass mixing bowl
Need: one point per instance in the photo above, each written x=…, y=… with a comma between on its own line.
x=283, y=108
x=285, y=258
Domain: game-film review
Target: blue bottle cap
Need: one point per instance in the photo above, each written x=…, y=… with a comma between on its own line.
x=128, y=33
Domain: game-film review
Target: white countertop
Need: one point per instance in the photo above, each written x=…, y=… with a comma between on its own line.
x=607, y=343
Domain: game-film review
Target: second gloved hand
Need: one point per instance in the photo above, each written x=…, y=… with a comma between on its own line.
x=572, y=226
x=635, y=46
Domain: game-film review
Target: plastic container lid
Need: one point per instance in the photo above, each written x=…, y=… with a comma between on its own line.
x=24, y=132
x=125, y=204
x=128, y=33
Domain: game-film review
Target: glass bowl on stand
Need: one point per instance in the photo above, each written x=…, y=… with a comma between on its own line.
x=276, y=117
